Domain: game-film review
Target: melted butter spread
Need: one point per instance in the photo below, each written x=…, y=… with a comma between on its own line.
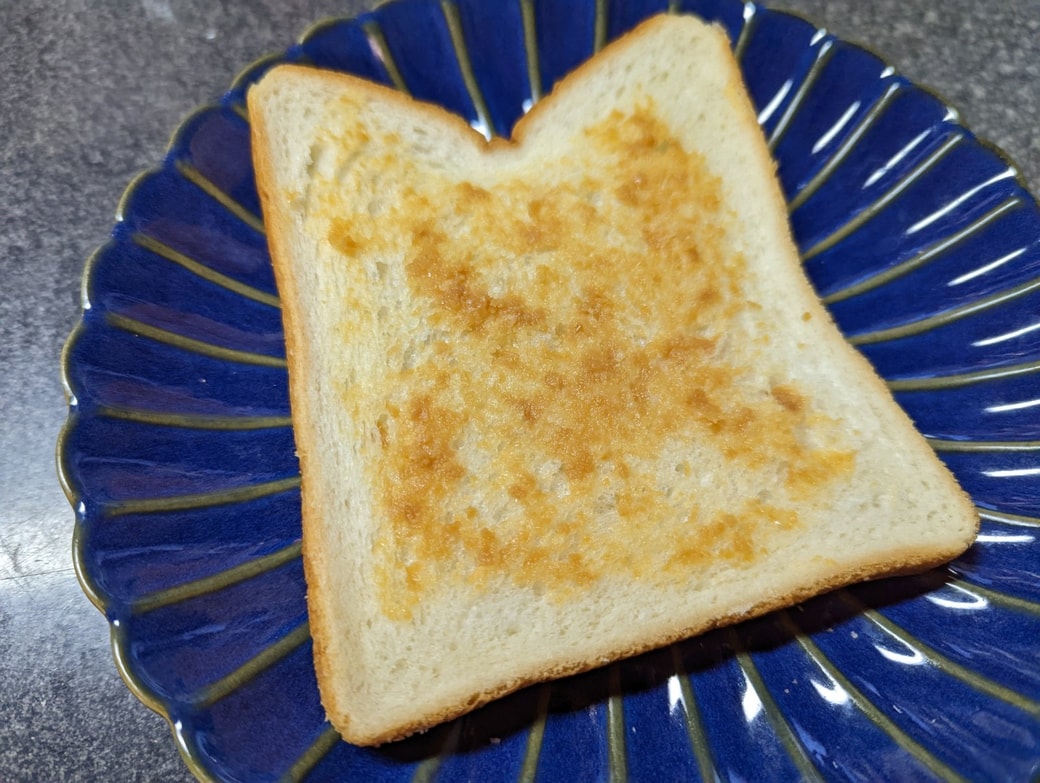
x=585, y=398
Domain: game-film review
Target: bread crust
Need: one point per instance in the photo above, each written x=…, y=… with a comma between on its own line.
x=314, y=557
x=316, y=564
x=908, y=564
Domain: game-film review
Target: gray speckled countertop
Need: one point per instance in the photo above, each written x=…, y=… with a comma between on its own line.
x=89, y=95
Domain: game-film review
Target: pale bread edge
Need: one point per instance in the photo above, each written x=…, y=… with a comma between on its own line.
x=315, y=561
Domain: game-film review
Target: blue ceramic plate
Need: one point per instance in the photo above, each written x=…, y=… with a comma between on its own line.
x=178, y=453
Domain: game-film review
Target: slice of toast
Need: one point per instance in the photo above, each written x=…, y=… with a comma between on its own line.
x=565, y=398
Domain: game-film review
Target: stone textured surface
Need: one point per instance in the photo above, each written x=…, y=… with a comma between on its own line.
x=89, y=96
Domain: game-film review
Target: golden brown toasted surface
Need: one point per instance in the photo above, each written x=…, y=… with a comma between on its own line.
x=574, y=343
x=538, y=430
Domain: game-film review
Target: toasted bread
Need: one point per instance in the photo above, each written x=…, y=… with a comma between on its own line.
x=567, y=397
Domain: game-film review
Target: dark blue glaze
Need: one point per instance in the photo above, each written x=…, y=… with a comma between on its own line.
x=565, y=35
x=1001, y=480
x=623, y=15
x=122, y=461
x=136, y=555
x=849, y=85
x=378, y=765
x=202, y=639
x=899, y=680
x=494, y=34
x=117, y=368
x=575, y=746
x=933, y=709
x=1004, y=563
x=167, y=208
x=427, y=62
x=905, y=225
x=1002, y=254
x=476, y=751
x=1005, y=409
x=839, y=736
x=346, y=47
x=928, y=618
x=779, y=51
x=216, y=143
x=285, y=719
x=743, y=741
x=134, y=282
x=907, y=129
x=993, y=339
x=657, y=729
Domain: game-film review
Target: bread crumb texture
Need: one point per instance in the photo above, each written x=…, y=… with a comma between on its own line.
x=565, y=404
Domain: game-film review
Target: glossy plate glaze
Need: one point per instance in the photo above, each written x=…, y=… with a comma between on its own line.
x=178, y=452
